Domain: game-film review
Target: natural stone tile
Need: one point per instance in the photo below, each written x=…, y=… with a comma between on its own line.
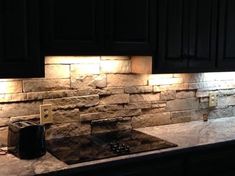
x=72, y=59
x=113, y=124
x=4, y=122
x=57, y=71
x=3, y=136
x=226, y=101
x=226, y=92
x=154, y=110
x=15, y=97
x=115, y=66
x=204, y=99
x=111, y=90
x=109, y=114
x=11, y=86
x=84, y=69
x=65, y=116
x=67, y=130
x=183, y=86
x=138, y=89
x=19, y=109
x=212, y=85
x=103, y=58
x=115, y=99
x=179, y=114
x=202, y=93
x=165, y=81
x=101, y=108
x=121, y=80
x=89, y=81
x=141, y=64
x=37, y=85
x=168, y=95
x=198, y=114
x=159, y=104
x=73, y=102
x=220, y=113
x=147, y=120
x=191, y=78
x=144, y=98
x=183, y=104
x=185, y=94
x=32, y=118
x=137, y=105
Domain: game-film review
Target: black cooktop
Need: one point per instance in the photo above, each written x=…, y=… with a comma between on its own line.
x=78, y=149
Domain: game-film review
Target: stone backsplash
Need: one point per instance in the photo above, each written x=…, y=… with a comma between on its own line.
x=96, y=94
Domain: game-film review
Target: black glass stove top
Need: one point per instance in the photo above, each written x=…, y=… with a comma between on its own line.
x=78, y=149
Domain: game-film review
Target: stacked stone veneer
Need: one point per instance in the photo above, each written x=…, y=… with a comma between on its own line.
x=96, y=94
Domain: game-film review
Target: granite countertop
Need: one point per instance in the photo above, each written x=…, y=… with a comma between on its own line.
x=185, y=135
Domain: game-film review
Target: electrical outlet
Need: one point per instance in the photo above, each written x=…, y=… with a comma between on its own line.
x=46, y=114
x=213, y=99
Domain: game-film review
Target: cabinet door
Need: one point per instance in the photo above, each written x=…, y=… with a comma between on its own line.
x=202, y=36
x=130, y=26
x=19, y=39
x=73, y=27
x=226, y=41
x=172, y=52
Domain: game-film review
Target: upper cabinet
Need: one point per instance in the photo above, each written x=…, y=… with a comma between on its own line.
x=226, y=35
x=19, y=39
x=96, y=27
x=186, y=36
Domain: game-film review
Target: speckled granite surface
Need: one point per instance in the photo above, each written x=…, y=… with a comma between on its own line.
x=184, y=134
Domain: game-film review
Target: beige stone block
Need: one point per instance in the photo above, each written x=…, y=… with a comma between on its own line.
x=183, y=104
x=19, y=109
x=138, y=89
x=109, y=114
x=141, y=64
x=154, y=110
x=115, y=58
x=226, y=101
x=121, y=80
x=144, y=98
x=111, y=90
x=221, y=112
x=15, y=97
x=66, y=116
x=165, y=81
x=11, y=86
x=115, y=66
x=36, y=85
x=73, y=102
x=91, y=81
x=57, y=71
x=159, y=104
x=168, y=95
x=202, y=93
x=181, y=114
x=3, y=136
x=148, y=120
x=4, y=122
x=32, y=118
x=185, y=94
x=198, y=114
x=67, y=130
x=226, y=92
x=190, y=77
x=108, y=125
x=101, y=108
x=72, y=59
x=138, y=105
x=115, y=99
x=183, y=86
x=84, y=69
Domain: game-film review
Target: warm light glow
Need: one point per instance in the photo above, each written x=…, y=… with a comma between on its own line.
x=72, y=59
x=164, y=79
x=10, y=87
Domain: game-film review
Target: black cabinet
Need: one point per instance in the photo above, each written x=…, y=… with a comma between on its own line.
x=226, y=35
x=19, y=39
x=94, y=27
x=186, y=36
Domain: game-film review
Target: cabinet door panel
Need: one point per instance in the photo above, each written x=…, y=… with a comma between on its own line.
x=202, y=46
x=130, y=26
x=172, y=35
x=19, y=33
x=226, y=42
x=73, y=27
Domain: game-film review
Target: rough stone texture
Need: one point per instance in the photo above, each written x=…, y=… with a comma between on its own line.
x=71, y=59
x=84, y=69
x=89, y=81
x=67, y=130
x=115, y=99
x=111, y=90
x=119, y=80
x=73, y=102
x=168, y=95
x=226, y=101
x=183, y=86
x=101, y=108
x=33, y=118
x=160, y=104
x=153, y=110
x=165, y=81
x=223, y=112
x=10, y=86
x=191, y=78
x=115, y=66
x=182, y=104
x=65, y=116
x=138, y=105
x=19, y=109
x=144, y=98
x=57, y=71
x=107, y=125
x=185, y=94
x=181, y=116
x=36, y=85
x=15, y=97
x=3, y=136
x=151, y=120
x=138, y=89
x=109, y=114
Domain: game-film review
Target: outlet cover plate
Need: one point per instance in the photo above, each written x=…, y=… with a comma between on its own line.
x=46, y=114
x=213, y=99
